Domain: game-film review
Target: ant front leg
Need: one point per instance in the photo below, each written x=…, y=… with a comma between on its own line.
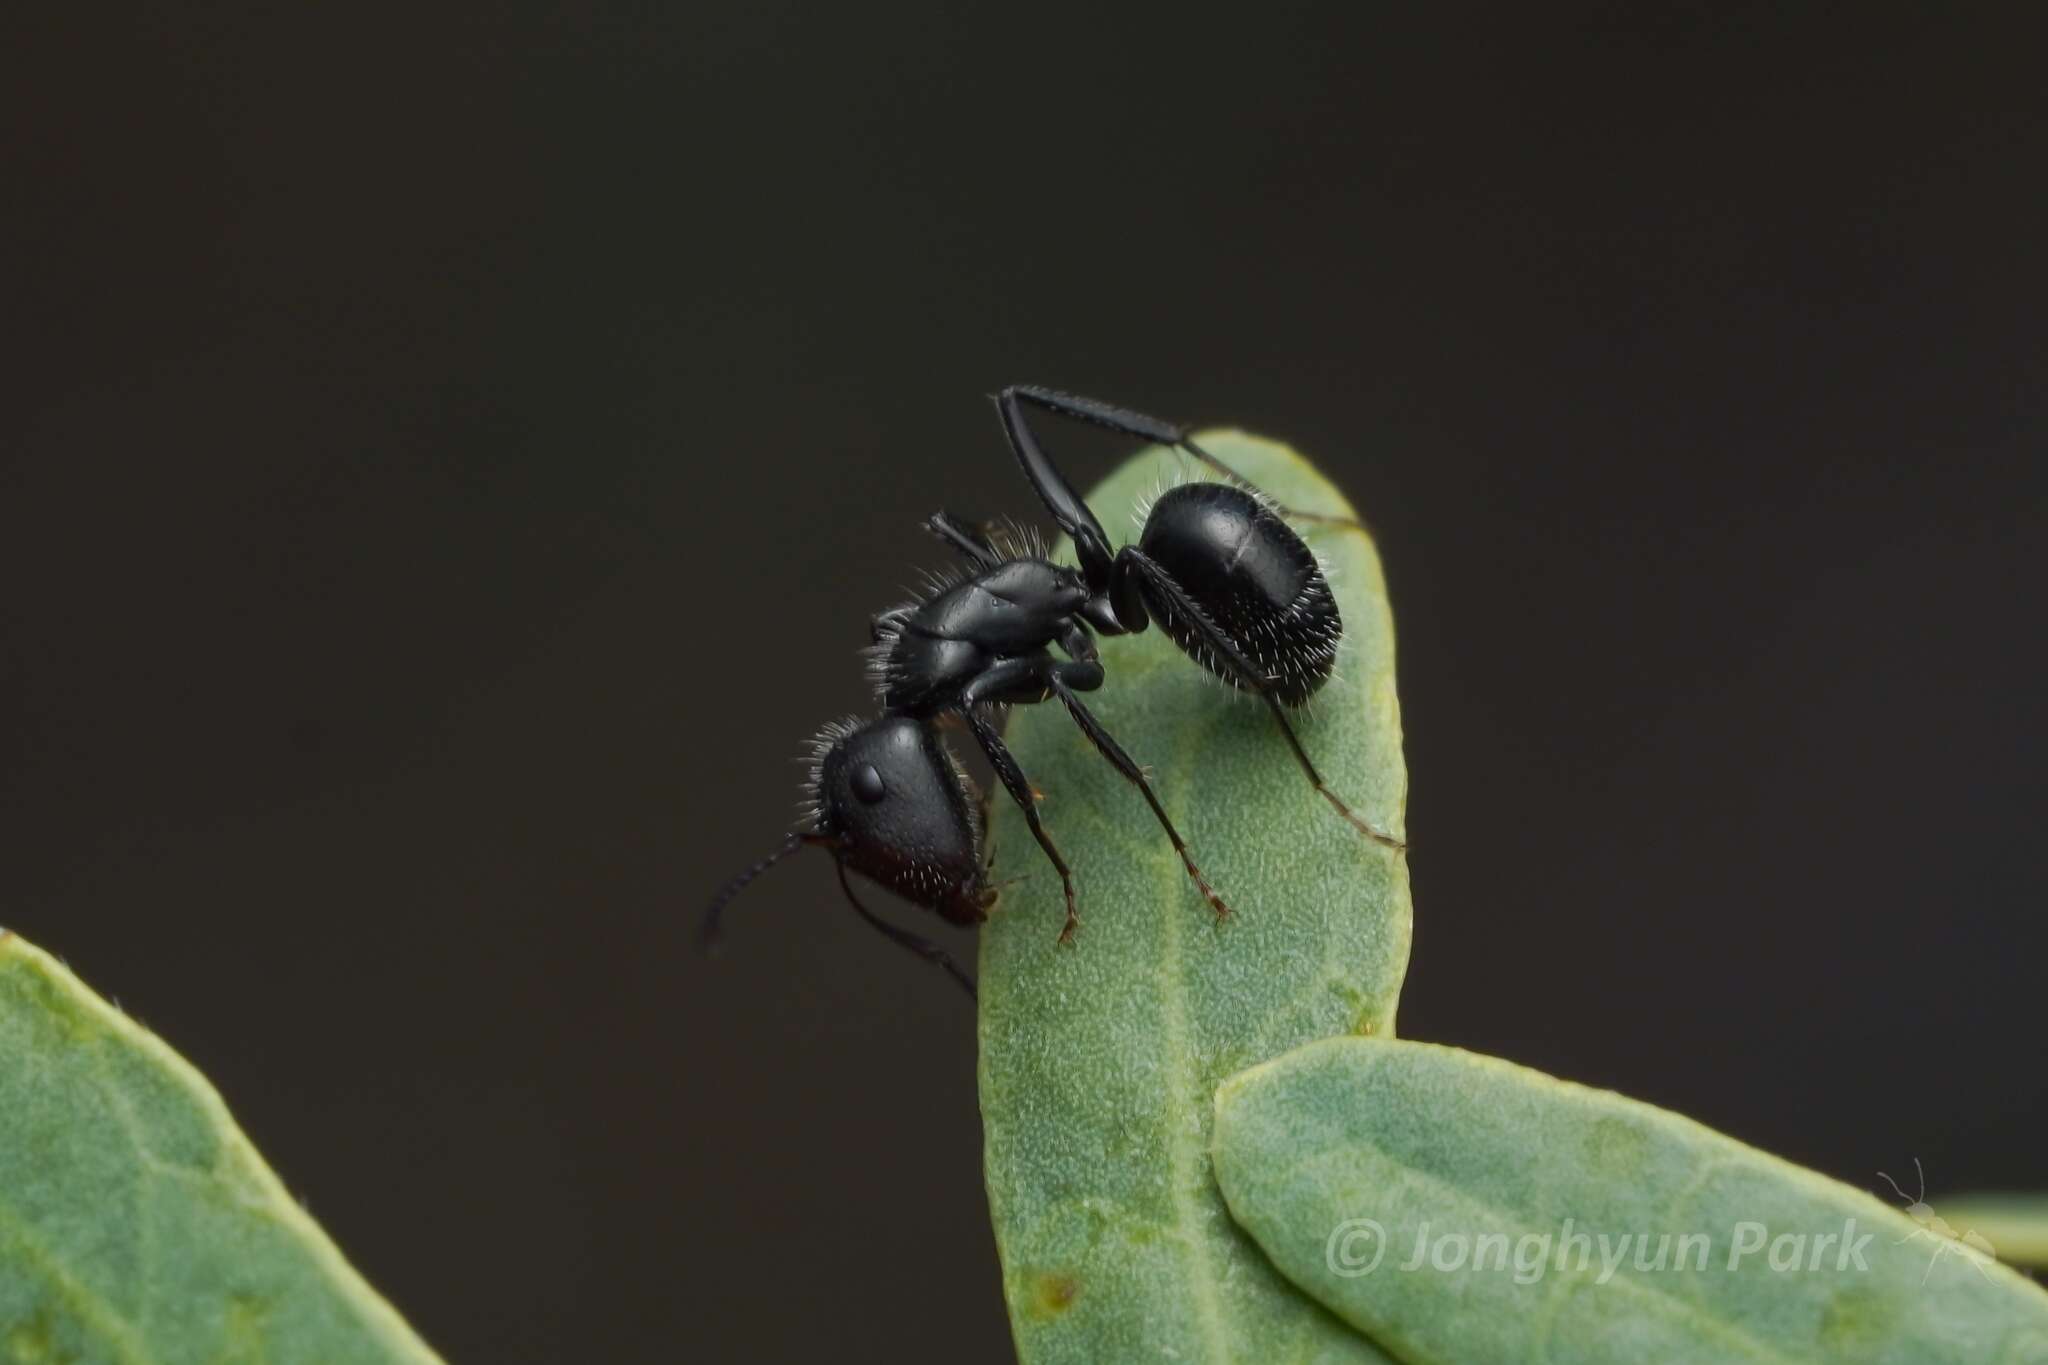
x=1168, y=599
x=1126, y=422
x=903, y=938
x=1019, y=787
x=887, y=625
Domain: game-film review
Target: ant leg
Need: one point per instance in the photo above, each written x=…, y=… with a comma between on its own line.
x=985, y=811
x=964, y=537
x=886, y=625
x=1020, y=791
x=1290, y=513
x=1129, y=423
x=1068, y=508
x=1107, y=746
x=1316, y=779
x=1163, y=592
x=903, y=938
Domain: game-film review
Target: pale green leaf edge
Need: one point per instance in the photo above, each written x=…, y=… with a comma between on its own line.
x=382, y=1329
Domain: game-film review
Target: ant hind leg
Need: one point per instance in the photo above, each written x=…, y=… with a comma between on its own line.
x=1166, y=598
x=1127, y=422
x=1290, y=513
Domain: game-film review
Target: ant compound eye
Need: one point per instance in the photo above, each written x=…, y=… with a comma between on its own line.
x=867, y=784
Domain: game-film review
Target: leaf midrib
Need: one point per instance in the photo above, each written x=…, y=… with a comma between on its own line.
x=1187, y=1152
x=90, y=1308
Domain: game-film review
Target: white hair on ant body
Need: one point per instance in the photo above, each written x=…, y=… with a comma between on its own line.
x=1015, y=540
x=1176, y=473
x=830, y=735
x=877, y=659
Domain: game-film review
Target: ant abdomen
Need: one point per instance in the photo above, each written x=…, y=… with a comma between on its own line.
x=1248, y=571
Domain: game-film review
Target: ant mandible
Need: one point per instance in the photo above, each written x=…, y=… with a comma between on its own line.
x=1217, y=566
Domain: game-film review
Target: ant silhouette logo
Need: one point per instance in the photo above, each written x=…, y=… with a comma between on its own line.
x=1970, y=1244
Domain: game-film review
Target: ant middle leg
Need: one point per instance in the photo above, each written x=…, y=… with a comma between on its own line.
x=1105, y=744
x=1035, y=677
x=1166, y=598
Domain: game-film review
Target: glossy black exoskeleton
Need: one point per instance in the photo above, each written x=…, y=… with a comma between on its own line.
x=1216, y=565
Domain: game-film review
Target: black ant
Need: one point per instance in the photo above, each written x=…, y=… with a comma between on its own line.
x=1216, y=566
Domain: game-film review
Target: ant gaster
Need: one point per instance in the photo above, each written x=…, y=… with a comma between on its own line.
x=1216, y=566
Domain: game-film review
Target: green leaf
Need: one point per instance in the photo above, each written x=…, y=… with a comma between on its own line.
x=137, y=1224
x=1441, y=1147
x=1099, y=1057
x=2015, y=1224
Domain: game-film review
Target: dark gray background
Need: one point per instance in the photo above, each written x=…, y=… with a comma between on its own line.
x=450, y=453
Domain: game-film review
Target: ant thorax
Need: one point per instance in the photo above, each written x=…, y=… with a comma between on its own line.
x=928, y=652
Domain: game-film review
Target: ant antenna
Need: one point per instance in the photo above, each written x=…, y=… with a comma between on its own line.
x=714, y=928
x=1901, y=1193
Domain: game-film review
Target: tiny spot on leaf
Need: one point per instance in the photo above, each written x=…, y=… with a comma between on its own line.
x=1052, y=1295
x=1856, y=1318
x=244, y=1326
x=1617, y=1145
x=29, y=1343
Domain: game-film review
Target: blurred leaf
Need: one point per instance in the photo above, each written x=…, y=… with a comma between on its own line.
x=1099, y=1058
x=137, y=1224
x=2015, y=1224
x=1442, y=1147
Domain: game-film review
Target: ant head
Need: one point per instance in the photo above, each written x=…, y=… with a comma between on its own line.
x=886, y=796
